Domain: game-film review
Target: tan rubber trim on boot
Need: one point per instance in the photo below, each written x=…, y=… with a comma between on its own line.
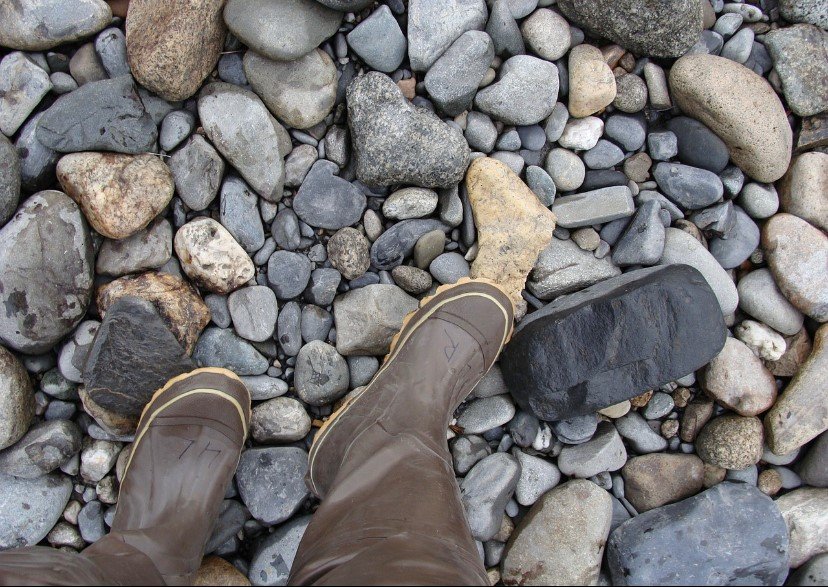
x=152, y=415
x=397, y=343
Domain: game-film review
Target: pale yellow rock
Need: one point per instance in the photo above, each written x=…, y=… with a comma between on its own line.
x=119, y=194
x=217, y=571
x=740, y=107
x=591, y=82
x=801, y=413
x=211, y=257
x=804, y=189
x=805, y=512
x=513, y=227
x=617, y=410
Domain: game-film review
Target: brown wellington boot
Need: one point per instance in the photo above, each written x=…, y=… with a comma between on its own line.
x=392, y=513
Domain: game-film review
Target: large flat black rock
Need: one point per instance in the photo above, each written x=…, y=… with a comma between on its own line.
x=133, y=355
x=613, y=341
x=731, y=534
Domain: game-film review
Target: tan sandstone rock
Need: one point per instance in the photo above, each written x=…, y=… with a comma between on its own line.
x=591, y=82
x=737, y=379
x=211, y=257
x=217, y=571
x=805, y=512
x=655, y=480
x=804, y=189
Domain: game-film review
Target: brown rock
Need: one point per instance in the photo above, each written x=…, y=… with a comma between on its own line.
x=412, y=279
x=695, y=416
x=408, y=87
x=740, y=107
x=797, y=351
x=173, y=45
x=119, y=194
x=637, y=167
x=178, y=303
x=803, y=190
x=591, y=82
x=654, y=480
x=349, y=253
x=211, y=257
x=119, y=7
x=797, y=254
x=732, y=442
x=801, y=414
x=642, y=400
x=513, y=227
x=713, y=475
x=769, y=482
x=814, y=133
x=114, y=423
x=737, y=379
x=217, y=571
x=805, y=511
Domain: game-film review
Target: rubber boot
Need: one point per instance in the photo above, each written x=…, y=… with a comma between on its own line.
x=187, y=446
x=391, y=512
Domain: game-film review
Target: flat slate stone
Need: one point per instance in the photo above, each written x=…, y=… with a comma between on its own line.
x=622, y=337
x=106, y=115
x=325, y=200
x=689, y=187
x=134, y=355
x=595, y=207
x=731, y=534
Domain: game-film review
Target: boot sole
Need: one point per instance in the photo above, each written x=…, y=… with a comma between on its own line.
x=396, y=343
x=150, y=412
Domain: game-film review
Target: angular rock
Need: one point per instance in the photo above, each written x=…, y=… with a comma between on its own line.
x=806, y=514
x=513, y=227
x=301, y=93
x=30, y=25
x=46, y=283
x=211, y=257
x=525, y=94
x=433, y=25
x=795, y=51
x=394, y=142
x=731, y=442
x=662, y=321
x=119, y=194
x=240, y=126
x=379, y=41
x=591, y=82
x=10, y=180
x=642, y=242
x=133, y=356
x=177, y=302
x=721, y=543
x=797, y=254
x=31, y=508
x=367, y=318
x=737, y=379
x=22, y=86
x=281, y=30
x=106, y=115
x=43, y=449
x=667, y=29
x=327, y=201
x=800, y=415
x=604, y=452
x=150, y=248
x=454, y=78
x=563, y=267
x=682, y=248
x=594, y=207
x=537, y=475
x=173, y=46
x=197, y=169
x=802, y=186
x=397, y=243
x=271, y=482
x=561, y=540
x=274, y=555
x=737, y=244
x=715, y=90
x=654, y=480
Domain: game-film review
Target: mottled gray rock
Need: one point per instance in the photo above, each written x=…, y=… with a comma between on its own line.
x=280, y=420
x=605, y=452
x=274, y=555
x=433, y=25
x=367, y=318
x=810, y=11
x=17, y=402
x=288, y=273
x=541, y=184
x=566, y=169
x=43, y=449
x=563, y=267
x=288, y=328
x=106, y=115
x=298, y=163
x=525, y=94
x=721, y=544
x=537, y=476
x=240, y=126
x=30, y=25
x=9, y=181
x=219, y=347
x=284, y=30
x=379, y=41
x=327, y=201
x=271, y=482
x=323, y=286
x=480, y=132
x=321, y=375
x=485, y=491
x=594, y=207
x=29, y=508
x=638, y=434
x=149, y=248
x=547, y=34
x=197, y=169
x=239, y=214
x=253, y=310
x=22, y=86
x=815, y=571
x=397, y=243
x=577, y=430
x=263, y=387
x=662, y=145
x=795, y=51
x=46, y=282
x=454, y=78
x=394, y=142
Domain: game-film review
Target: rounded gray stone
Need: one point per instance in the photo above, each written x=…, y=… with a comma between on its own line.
x=288, y=273
x=525, y=94
x=220, y=347
x=379, y=41
x=29, y=508
x=254, y=311
x=321, y=375
x=271, y=482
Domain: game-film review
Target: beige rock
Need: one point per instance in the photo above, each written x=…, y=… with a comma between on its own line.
x=513, y=227
x=801, y=414
x=797, y=254
x=769, y=482
x=173, y=45
x=732, y=442
x=654, y=480
x=561, y=540
x=211, y=257
x=798, y=349
x=17, y=402
x=217, y=571
x=617, y=410
x=713, y=475
x=740, y=107
x=804, y=189
x=591, y=82
x=178, y=303
x=764, y=341
x=695, y=416
x=805, y=512
x=737, y=379
x=301, y=93
x=119, y=194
